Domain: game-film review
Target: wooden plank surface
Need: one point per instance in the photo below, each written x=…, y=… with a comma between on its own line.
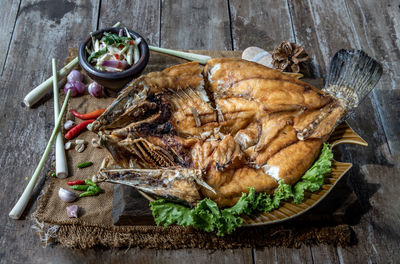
x=43, y=29
x=369, y=175
x=7, y=24
x=142, y=17
x=195, y=25
x=321, y=27
x=263, y=24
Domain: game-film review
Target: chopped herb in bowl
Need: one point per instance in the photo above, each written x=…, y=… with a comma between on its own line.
x=113, y=52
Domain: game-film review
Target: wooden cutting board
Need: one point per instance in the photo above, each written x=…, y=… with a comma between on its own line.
x=131, y=208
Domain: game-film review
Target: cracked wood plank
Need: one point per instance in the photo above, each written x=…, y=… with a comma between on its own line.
x=9, y=12
x=264, y=24
x=142, y=17
x=195, y=25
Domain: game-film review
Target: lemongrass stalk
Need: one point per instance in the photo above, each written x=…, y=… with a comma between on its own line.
x=26, y=195
x=202, y=59
x=61, y=160
x=37, y=93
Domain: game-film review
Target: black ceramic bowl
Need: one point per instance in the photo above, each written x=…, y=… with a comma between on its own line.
x=114, y=80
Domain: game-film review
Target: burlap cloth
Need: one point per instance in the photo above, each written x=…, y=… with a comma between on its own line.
x=94, y=226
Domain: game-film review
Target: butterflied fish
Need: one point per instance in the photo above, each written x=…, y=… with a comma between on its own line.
x=190, y=132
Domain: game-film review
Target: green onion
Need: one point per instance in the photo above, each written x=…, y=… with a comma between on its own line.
x=84, y=164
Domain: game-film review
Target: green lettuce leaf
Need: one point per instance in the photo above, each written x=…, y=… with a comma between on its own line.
x=167, y=213
x=313, y=179
x=208, y=217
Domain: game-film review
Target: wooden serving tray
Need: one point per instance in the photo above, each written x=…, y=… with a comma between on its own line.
x=131, y=207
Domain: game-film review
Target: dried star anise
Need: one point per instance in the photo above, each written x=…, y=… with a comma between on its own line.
x=289, y=56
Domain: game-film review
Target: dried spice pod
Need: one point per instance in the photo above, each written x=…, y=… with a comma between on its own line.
x=289, y=56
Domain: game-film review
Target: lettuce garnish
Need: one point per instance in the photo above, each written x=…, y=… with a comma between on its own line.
x=208, y=217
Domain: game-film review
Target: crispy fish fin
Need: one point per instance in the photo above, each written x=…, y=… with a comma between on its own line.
x=352, y=75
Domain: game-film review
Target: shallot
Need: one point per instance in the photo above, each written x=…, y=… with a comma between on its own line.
x=66, y=196
x=115, y=64
x=95, y=89
x=72, y=211
x=74, y=76
x=76, y=88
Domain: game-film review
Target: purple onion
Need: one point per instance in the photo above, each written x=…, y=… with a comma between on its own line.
x=74, y=76
x=121, y=33
x=115, y=64
x=75, y=87
x=72, y=211
x=95, y=89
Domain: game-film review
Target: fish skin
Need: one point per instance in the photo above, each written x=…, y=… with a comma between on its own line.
x=233, y=121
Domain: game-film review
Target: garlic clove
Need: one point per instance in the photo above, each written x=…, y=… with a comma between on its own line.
x=72, y=211
x=67, y=196
x=68, y=145
x=80, y=141
x=69, y=124
x=95, y=143
x=80, y=148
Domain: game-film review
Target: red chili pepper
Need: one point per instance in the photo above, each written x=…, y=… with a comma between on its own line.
x=91, y=115
x=116, y=56
x=120, y=46
x=132, y=42
x=76, y=130
x=76, y=182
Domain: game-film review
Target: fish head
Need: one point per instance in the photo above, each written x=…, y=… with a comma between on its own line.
x=178, y=184
x=139, y=100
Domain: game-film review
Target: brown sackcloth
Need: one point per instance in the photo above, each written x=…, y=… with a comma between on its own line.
x=94, y=226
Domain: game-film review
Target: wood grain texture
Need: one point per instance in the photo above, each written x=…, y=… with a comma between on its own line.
x=195, y=25
x=377, y=221
x=264, y=24
x=7, y=23
x=43, y=29
x=282, y=255
x=321, y=26
x=142, y=17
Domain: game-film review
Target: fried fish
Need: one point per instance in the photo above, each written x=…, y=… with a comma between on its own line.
x=190, y=132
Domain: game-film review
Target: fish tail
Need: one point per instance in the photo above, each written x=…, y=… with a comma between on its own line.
x=352, y=75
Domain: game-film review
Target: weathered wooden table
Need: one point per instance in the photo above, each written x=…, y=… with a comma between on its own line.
x=32, y=32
